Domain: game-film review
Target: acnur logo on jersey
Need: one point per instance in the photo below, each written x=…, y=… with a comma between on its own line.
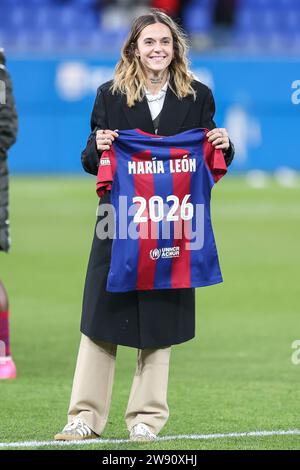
x=169, y=252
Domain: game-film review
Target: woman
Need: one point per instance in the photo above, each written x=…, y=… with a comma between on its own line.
x=152, y=90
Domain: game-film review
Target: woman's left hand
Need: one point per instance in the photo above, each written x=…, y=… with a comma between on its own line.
x=219, y=138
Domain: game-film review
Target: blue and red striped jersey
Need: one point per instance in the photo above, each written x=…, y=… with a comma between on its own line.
x=160, y=194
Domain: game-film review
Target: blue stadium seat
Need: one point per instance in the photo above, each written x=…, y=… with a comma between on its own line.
x=11, y=3
x=271, y=4
x=22, y=3
x=197, y=19
x=85, y=3
x=291, y=21
x=208, y=4
x=248, y=4
x=247, y=19
x=61, y=18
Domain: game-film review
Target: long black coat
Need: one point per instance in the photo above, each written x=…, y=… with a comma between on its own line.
x=141, y=319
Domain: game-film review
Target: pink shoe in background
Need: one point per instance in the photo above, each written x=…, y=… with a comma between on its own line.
x=7, y=365
x=7, y=368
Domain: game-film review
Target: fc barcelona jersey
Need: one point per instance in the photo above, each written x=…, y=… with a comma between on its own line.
x=160, y=197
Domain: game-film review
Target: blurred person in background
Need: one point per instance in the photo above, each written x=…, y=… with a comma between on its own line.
x=119, y=14
x=223, y=20
x=8, y=134
x=173, y=8
x=153, y=90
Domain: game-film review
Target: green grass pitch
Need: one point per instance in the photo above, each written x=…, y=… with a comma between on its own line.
x=235, y=376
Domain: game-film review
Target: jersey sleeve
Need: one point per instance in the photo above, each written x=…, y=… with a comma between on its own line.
x=105, y=171
x=214, y=159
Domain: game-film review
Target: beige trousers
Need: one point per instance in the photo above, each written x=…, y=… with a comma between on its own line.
x=93, y=382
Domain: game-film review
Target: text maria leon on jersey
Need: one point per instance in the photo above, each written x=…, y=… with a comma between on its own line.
x=154, y=166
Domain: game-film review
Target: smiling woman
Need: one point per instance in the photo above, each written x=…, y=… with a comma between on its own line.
x=155, y=51
x=153, y=90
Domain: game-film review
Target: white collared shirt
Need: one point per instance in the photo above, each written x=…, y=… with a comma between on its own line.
x=156, y=102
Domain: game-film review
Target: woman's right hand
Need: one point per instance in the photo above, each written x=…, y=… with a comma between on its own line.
x=104, y=138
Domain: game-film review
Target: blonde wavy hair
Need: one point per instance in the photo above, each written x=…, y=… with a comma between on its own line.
x=130, y=78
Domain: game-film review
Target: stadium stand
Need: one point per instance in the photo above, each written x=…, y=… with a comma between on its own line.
x=72, y=25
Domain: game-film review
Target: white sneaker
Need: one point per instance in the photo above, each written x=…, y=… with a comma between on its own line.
x=77, y=430
x=141, y=432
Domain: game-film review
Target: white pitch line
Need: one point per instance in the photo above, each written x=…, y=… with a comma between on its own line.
x=294, y=432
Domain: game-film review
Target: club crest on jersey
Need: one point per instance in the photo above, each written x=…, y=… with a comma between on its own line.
x=168, y=252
